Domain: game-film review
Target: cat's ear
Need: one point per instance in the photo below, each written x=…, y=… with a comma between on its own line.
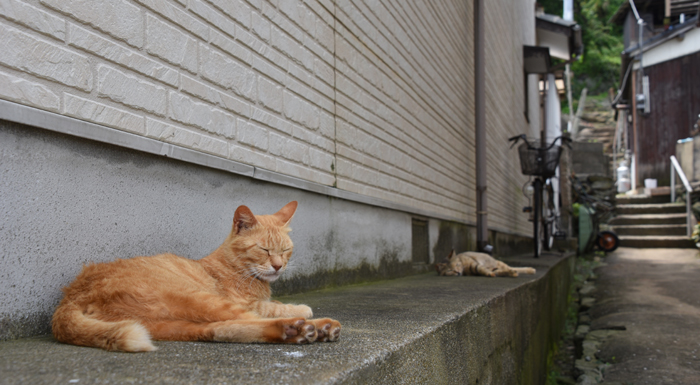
x=452, y=254
x=287, y=212
x=243, y=219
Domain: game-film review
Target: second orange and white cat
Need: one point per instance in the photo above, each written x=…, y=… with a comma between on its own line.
x=123, y=305
x=475, y=263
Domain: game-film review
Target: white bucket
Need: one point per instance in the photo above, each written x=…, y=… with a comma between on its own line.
x=650, y=183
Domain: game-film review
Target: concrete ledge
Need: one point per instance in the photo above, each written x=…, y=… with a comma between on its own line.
x=418, y=329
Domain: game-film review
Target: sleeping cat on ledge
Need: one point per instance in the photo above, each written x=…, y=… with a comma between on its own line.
x=474, y=263
x=123, y=305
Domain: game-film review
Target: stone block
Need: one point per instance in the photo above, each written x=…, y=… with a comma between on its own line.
x=226, y=72
x=186, y=138
x=270, y=94
x=89, y=41
x=301, y=111
x=271, y=120
x=170, y=44
x=204, y=91
x=252, y=134
x=323, y=71
x=178, y=16
x=300, y=171
x=312, y=137
x=288, y=148
x=130, y=90
x=228, y=45
x=586, y=303
x=261, y=27
x=252, y=157
x=292, y=48
x=236, y=10
x=119, y=18
x=33, y=18
x=185, y=110
x=206, y=12
x=99, y=113
x=29, y=93
x=263, y=66
x=26, y=53
x=325, y=36
x=283, y=21
x=321, y=160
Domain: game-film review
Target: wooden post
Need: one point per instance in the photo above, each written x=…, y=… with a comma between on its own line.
x=565, y=189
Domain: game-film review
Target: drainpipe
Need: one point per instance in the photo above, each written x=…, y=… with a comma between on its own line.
x=482, y=234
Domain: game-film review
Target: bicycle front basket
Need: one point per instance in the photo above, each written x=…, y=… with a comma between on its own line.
x=539, y=161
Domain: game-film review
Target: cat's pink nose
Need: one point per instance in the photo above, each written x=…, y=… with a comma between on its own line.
x=277, y=267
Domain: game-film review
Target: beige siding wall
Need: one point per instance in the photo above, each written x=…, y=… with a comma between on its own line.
x=508, y=28
x=373, y=97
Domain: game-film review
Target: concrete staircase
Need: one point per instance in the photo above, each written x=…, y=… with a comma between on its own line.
x=651, y=221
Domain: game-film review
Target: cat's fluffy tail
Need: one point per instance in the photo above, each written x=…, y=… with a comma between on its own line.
x=71, y=325
x=524, y=270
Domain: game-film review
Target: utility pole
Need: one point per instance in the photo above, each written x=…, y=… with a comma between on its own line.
x=569, y=15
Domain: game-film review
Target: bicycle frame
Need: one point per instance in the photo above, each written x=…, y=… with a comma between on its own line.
x=544, y=218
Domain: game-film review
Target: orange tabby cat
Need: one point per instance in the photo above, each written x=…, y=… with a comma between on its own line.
x=122, y=305
x=473, y=263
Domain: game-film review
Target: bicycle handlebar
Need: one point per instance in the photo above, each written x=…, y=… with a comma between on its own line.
x=564, y=140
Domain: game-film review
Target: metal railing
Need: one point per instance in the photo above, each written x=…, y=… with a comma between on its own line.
x=676, y=167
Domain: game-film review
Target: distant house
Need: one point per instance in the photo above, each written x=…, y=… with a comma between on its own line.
x=659, y=98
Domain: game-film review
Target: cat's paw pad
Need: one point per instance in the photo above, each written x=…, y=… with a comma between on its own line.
x=299, y=332
x=328, y=329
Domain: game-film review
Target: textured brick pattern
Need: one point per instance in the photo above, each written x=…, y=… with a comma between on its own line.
x=373, y=97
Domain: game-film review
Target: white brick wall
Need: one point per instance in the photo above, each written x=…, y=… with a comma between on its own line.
x=373, y=97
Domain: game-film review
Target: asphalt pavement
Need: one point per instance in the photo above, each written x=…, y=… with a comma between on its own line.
x=652, y=298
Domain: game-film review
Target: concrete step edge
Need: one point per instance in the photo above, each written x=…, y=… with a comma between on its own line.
x=398, y=331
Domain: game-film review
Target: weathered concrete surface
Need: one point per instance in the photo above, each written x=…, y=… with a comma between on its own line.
x=654, y=295
x=419, y=329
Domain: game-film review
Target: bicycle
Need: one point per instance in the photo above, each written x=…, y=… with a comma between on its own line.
x=600, y=211
x=541, y=162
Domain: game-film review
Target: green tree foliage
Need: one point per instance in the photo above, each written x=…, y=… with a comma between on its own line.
x=599, y=67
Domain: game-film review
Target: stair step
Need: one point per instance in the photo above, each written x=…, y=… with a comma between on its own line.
x=649, y=219
x=642, y=199
x=647, y=241
x=622, y=230
x=651, y=208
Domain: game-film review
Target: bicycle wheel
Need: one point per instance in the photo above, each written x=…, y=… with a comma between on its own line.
x=537, y=217
x=547, y=237
x=607, y=241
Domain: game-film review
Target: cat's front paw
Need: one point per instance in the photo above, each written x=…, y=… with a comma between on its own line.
x=328, y=329
x=302, y=311
x=298, y=331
